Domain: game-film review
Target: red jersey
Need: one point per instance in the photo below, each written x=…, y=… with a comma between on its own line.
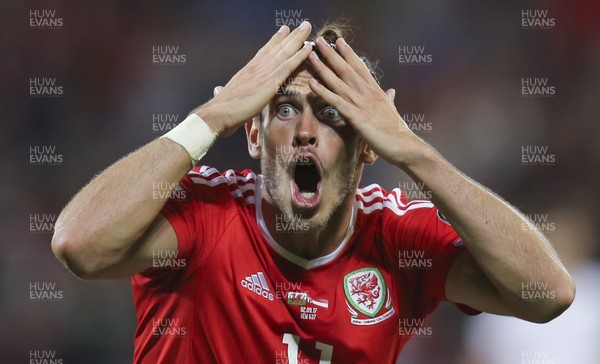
x=232, y=294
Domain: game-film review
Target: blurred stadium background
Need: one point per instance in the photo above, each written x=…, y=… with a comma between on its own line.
x=468, y=98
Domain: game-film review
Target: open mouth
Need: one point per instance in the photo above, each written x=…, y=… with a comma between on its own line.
x=306, y=182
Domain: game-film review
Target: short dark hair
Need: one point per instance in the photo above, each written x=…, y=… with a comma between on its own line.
x=331, y=31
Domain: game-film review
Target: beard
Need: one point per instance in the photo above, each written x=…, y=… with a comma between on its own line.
x=342, y=176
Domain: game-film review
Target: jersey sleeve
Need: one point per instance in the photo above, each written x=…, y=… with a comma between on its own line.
x=425, y=245
x=198, y=210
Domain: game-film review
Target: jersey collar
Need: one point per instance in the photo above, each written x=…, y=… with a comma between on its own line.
x=286, y=254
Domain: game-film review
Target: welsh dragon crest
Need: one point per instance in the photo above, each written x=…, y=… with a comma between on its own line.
x=365, y=290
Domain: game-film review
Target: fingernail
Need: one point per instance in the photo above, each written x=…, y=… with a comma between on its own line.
x=304, y=25
x=343, y=41
x=281, y=29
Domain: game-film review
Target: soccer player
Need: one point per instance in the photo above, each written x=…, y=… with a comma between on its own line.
x=298, y=264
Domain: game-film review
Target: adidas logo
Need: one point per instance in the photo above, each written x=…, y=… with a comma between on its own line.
x=258, y=284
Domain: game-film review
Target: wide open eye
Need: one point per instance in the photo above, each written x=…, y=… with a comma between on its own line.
x=286, y=110
x=331, y=114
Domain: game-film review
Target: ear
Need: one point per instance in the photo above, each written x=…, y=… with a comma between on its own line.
x=367, y=156
x=252, y=127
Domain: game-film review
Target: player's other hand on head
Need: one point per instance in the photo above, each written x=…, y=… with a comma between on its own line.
x=253, y=87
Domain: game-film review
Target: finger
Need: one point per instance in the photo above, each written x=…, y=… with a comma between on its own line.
x=391, y=94
x=333, y=82
x=338, y=64
x=353, y=59
x=280, y=35
x=343, y=106
x=217, y=90
x=288, y=66
x=290, y=45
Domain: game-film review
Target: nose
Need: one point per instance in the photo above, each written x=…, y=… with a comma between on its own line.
x=306, y=130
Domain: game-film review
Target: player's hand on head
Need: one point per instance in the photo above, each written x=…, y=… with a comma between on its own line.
x=346, y=84
x=253, y=87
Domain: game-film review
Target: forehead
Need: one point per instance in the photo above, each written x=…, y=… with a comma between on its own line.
x=302, y=74
x=296, y=85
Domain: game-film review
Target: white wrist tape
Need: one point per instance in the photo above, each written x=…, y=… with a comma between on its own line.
x=194, y=136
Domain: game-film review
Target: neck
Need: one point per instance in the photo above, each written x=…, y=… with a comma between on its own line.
x=308, y=244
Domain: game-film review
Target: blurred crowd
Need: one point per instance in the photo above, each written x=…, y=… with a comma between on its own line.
x=469, y=95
